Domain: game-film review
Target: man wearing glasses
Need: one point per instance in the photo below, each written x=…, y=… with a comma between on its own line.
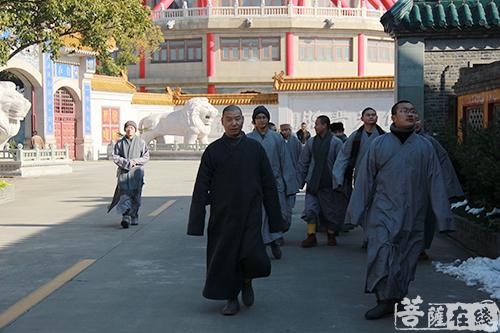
x=399, y=180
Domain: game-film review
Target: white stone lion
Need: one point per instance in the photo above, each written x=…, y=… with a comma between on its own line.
x=13, y=109
x=193, y=122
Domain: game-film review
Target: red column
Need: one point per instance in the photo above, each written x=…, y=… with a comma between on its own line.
x=290, y=60
x=142, y=70
x=361, y=55
x=202, y=3
x=164, y=3
x=210, y=60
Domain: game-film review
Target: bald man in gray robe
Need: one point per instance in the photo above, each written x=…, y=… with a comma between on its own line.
x=398, y=181
x=451, y=182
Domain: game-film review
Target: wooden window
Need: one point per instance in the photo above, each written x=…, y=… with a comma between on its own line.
x=380, y=51
x=474, y=116
x=110, y=124
x=306, y=46
x=270, y=48
x=276, y=2
x=325, y=49
x=181, y=50
x=250, y=49
x=249, y=3
x=230, y=49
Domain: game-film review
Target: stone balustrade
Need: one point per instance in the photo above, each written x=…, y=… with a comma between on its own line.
x=35, y=162
x=265, y=11
x=20, y=154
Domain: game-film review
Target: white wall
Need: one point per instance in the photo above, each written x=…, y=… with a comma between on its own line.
x=101, y=99
x=298, y=107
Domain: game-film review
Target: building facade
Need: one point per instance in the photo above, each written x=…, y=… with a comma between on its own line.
x=435, y=40
x=478, y=97
x=229, y=46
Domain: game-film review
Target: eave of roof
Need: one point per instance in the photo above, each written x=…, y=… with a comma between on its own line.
x=436, y=16
x=112, y=84
x=283, y=83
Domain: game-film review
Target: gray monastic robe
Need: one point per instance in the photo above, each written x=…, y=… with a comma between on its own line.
x=129, y=179
x=274, y=145
x=342, y=161
x=453, y=187
x=397, y=183
x=326, y=202
x=293, y=148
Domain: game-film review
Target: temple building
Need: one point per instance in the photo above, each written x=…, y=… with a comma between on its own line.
x=228, y=46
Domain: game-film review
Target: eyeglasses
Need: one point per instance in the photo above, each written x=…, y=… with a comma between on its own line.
x=408, y=111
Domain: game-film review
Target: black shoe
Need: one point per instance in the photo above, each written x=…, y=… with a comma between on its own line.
x=247, y=293
x=280, y=241
x=365, y=244
x=382, y=309
x=125, y=221
x=135, y=220
x=231, y=308
x=275, y=250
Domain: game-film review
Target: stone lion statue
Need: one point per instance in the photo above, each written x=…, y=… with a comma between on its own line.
x=193, y=122
x=13, y=109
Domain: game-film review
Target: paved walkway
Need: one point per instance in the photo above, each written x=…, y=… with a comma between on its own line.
x=149, y=278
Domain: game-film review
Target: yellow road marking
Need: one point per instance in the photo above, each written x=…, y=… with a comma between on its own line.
x=160, y=209
x=41, y=293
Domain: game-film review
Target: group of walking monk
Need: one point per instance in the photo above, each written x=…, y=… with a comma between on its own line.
x=395, y=185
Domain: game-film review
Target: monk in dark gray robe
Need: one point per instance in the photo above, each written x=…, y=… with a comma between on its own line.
x=451, y=182
x=315, y=169
x=398, y=181
x=236, y=179
x=129, y=154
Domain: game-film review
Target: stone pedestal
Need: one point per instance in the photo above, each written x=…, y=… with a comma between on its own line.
x=35, y=168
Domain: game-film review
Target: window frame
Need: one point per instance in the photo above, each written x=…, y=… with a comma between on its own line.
x=164, y=54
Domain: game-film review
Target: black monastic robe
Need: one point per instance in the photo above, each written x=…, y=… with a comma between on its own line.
x=235, y=178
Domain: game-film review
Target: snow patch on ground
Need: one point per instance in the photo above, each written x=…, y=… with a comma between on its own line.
x=476, y=211
x=459, y=204
x=493, y=212
x=484, y=272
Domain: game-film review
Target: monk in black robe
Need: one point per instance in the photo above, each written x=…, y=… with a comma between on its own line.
x=235, y=178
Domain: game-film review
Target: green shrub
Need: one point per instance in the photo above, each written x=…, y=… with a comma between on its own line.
x=3, y=184
x=477, y=163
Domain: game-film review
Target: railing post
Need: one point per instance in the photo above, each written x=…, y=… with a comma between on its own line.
x=235, y=5
x=209, y=8
x=315, y=9
x=37, y=152
x=51, y=147
x=290, y=8
x=185, y=8
x=19, y=153
x=363, y=11
x=176, y=146
x=262, y=7
x=66, y=151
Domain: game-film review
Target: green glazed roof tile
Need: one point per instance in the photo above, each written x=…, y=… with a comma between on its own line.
x=442, y=15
